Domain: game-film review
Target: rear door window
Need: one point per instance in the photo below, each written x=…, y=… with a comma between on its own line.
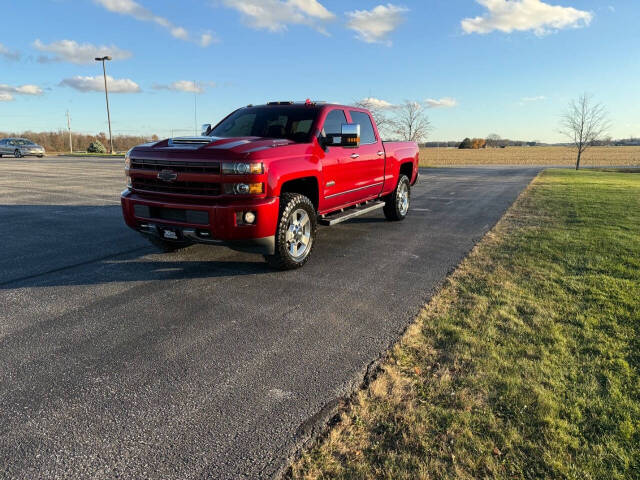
x=367, y=134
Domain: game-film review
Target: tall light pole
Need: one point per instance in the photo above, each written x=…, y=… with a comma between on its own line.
x=69, y=128
x=106, y=94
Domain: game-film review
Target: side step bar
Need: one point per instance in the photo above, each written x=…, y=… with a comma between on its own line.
x=351, y=212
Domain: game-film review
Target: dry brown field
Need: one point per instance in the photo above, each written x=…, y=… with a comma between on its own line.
x=596, y=156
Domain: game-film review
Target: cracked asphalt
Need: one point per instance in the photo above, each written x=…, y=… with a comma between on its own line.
x=120, y=362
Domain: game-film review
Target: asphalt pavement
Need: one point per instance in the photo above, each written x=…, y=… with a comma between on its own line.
x=118, y=361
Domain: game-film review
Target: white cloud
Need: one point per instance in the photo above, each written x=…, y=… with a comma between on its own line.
x=188, y=86
x=137, y=11
x=7, y=92
x=446, y=102
x=275, y=15
x=522, y=15
x=376, y=103
x=374, y=26
x=207, y=39
x=96, y=84
x=79, y=53
x=9, y=54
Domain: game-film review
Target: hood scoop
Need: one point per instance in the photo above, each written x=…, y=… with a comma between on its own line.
x=193, y=142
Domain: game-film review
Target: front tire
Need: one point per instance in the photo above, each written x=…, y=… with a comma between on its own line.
x=296, y=232
x=397, y=204
x=17, y=154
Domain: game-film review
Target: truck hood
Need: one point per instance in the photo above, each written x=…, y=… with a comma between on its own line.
x=213, y=147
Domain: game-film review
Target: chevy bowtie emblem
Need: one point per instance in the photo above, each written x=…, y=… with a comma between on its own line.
x=167, y=175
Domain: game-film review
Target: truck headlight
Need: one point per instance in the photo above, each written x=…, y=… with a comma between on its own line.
x=240, y=168
x=243, y=188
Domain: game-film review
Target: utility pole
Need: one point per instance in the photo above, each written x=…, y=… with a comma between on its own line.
x=106, y=94
x=69, y=128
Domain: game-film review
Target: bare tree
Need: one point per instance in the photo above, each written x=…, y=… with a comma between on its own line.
x=379, y=111
x=411, y=122
x=584, y=122
x=493, y=140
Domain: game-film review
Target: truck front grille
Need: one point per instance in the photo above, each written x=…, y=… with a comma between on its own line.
x=186, y=167
x=177, y=188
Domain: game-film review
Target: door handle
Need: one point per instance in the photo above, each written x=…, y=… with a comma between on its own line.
x=380, y=153
x=355, y=155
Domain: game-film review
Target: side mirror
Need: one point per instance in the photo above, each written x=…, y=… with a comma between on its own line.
x=349, y=137
x=206, y=129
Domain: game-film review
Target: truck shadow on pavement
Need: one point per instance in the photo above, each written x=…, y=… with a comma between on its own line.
x=66, y=245
x=139, y=266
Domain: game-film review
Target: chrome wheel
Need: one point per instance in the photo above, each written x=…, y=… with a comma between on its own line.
x=298, y=235
x=403, y=199
x=17, y=153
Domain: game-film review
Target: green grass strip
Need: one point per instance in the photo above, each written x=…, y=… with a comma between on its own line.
x=526, y=363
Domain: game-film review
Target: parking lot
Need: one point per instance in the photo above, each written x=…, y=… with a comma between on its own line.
x=117, y=360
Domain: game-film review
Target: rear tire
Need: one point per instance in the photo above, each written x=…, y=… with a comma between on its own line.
x=295, y=233
x=167, y=247
x=397, y=204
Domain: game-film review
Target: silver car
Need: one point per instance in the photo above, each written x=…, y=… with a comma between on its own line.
x=20, y=147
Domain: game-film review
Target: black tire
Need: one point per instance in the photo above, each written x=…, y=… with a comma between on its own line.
x=394, y=208
x=291, y=204
x=17, y=154
x=167, y=247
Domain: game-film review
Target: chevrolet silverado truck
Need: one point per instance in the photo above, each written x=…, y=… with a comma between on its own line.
x=263, y=178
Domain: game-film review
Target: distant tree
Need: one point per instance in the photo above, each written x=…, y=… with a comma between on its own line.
x=584, y=122
x=493, y=140
x=466, y=144
x=411, y=123
x=478, y=143
x=96, y=147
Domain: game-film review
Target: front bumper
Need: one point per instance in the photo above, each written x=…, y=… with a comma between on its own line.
x=215, y=224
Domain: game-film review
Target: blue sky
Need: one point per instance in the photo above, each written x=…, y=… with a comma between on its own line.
x=478, y=66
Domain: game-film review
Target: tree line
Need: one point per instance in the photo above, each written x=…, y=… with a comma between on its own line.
x=59, y=141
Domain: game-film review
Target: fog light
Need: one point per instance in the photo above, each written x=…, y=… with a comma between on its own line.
x=249, y=217
x=242, y=188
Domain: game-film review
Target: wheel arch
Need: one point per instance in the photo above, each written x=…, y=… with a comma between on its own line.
x=307, y=186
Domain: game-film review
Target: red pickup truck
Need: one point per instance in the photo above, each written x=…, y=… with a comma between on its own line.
x=265, y=177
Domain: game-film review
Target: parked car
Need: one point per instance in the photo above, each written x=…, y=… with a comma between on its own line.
x=20, y=147
x=265, y=177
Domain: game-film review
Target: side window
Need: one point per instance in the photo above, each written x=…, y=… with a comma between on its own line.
x=367, y=135
x=333, y=122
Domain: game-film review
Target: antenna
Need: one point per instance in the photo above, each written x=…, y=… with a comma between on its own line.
x=69, y=128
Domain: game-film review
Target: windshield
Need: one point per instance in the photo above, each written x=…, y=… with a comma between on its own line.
x=290, y=122
x=21, y=141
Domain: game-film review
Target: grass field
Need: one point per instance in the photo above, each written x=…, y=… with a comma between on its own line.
x=596, y=156
x=526, y=364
